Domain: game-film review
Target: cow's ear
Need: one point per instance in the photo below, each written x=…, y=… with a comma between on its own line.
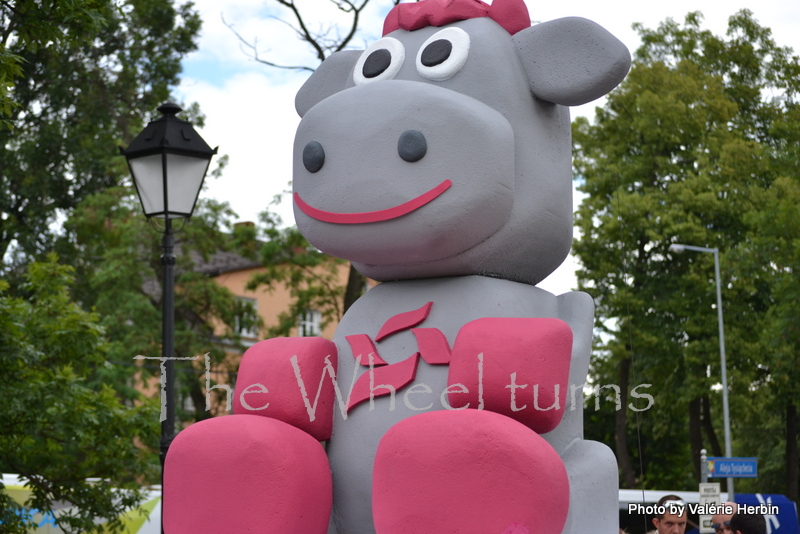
x=571, y=61
x=332, y=76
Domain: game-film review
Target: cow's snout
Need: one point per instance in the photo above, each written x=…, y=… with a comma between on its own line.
x=398, y=172
x=412, y=146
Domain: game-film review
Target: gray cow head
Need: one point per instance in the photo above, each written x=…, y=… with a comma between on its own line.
x=446, y=150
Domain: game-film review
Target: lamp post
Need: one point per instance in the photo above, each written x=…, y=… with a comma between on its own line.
x=725, y=412
x=168, y=161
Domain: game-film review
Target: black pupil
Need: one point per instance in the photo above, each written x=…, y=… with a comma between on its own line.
x=377, y=62
x=436, y=52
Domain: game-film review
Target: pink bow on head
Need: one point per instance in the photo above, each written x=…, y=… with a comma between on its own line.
x=512, y=15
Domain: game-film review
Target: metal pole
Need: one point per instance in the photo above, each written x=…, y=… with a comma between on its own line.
x=725, y=412
x=167, y=348
x=703, y=466
x=724, y=371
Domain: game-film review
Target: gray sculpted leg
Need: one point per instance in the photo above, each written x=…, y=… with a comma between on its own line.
x=594, y=485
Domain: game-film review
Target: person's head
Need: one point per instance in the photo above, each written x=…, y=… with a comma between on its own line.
x=742, y=523
x=673, y=520
x=721, y=521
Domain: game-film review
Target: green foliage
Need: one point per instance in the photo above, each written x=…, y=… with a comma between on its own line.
x=312, y=277
x=691, y=149
x=9, y=70
x=117, y=257
x=58, y=429
x=27, y=24
x=78, y=77
x=117, y=274
x=772, y=254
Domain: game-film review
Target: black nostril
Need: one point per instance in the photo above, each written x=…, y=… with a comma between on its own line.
x=313, y=156
x=412, y=146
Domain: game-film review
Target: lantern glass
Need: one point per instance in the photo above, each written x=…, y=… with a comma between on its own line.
x=148, y=174
x=184, y=180
x=185, y=176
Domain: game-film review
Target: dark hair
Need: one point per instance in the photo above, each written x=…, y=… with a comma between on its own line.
x=679, y=502
x=748, y=523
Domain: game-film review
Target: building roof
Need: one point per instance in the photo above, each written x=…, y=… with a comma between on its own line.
x=223, y=262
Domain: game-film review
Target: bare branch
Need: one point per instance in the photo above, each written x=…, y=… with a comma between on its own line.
x=253, y=47
x=354, y=26
x=344, y=5
x=290, y=25
x=303, y=30
x=325, y=41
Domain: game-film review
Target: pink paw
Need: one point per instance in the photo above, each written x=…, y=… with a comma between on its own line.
x=243, y=473
x=467, y=472
x=518, y=367
x=290, y=379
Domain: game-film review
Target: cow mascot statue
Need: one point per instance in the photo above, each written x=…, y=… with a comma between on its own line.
x=438, y=161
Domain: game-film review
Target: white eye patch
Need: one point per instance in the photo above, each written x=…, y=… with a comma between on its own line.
x=380, y=61
x=443, y=54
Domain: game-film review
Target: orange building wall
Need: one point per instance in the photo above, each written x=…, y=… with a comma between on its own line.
x=271, y=303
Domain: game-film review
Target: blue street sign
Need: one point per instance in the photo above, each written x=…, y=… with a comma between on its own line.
x=732, y=467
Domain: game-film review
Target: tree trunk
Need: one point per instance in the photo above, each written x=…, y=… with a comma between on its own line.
x=621, y=428
x=695, y=433
x=355, y=287
x=716, y=449
x=791, y=452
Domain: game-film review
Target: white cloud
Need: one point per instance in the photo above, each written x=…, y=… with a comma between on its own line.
x=253, y=121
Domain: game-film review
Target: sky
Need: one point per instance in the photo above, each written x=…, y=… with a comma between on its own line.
x=249, y=106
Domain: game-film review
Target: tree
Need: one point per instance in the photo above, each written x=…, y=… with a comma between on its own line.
x=77, y=77
x=28, y=26
x=683, y=152
x=117, y=258
x=117, y=274
x=772, y=253
x=60, y=428
x=72, y=98
x=310, y=276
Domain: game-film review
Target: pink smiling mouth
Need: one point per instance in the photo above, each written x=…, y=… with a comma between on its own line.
x=372, y=216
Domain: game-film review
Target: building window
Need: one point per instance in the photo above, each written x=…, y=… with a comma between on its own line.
x=310, y=324
x=246, y=320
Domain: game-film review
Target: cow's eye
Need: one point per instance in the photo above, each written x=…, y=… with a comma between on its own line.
x=443, y=54
x=380, y=61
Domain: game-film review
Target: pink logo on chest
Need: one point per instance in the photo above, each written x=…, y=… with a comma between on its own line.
x=432, y=346
x=496, y=362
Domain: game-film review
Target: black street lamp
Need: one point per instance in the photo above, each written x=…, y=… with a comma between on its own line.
x=168, y=161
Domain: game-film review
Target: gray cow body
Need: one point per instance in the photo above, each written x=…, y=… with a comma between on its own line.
x=499, y=131
x=591, y=466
